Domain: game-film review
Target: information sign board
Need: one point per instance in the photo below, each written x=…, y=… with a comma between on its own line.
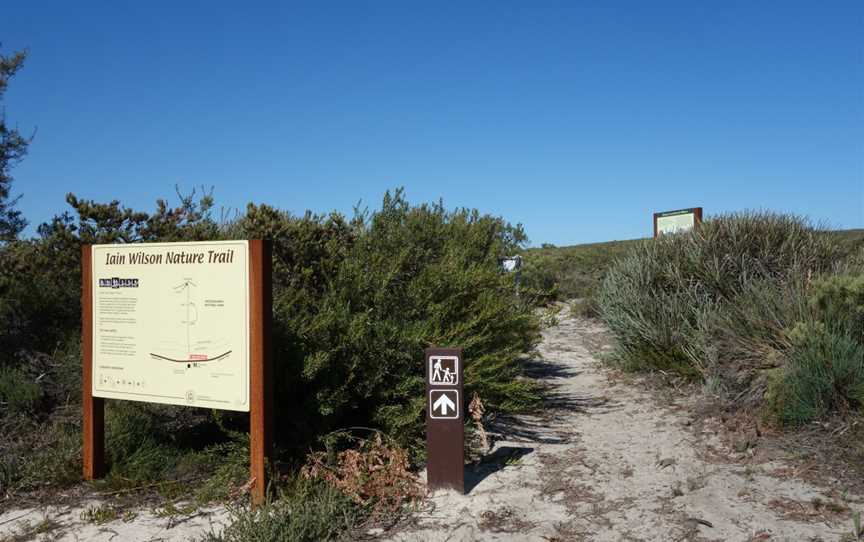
x=677, y=221
x=178, y=323
x=171, y=323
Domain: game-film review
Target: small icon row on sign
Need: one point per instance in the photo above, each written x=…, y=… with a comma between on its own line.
x=444, y=404
x=115, y=382
x=444, y=370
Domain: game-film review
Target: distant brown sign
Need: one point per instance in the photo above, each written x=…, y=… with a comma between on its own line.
x=677, y=221
x=445, y=431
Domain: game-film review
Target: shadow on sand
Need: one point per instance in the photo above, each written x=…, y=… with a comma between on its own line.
x=492, y=463
x=553, y=422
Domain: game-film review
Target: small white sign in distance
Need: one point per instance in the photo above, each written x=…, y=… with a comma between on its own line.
x=444, y=370
x=444, y=404
x=511, y=264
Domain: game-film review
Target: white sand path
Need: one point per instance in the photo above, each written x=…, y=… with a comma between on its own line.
x=607, y=460
x=613, y=461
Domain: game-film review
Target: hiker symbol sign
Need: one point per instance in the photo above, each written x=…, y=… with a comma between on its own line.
x=445, y=431
x=444, y=370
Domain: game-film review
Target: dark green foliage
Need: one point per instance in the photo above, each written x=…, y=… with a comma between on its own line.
x=355, y=303
x=733, y=342
x=850, y=241
x=13, y=148
x=18, y=394
x=40, y=454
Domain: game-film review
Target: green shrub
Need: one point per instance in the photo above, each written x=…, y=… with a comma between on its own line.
x=304, y=511
x=733, y=342
x=356, y=302
x=35, y=455
x=825, y=372
x=18, y=393
x=839, y=299
x=565, y=273
x=663, y=299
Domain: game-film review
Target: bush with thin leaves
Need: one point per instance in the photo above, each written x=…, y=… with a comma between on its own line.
x=825, y=373
x=304, y=511
x=658, y=298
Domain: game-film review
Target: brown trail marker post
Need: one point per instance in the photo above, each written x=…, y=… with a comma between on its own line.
x=680, y=220
x=183, y=324
x=445, y=430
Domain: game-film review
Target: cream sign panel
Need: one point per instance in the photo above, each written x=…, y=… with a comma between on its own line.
x=676, y=222
x=171, y=323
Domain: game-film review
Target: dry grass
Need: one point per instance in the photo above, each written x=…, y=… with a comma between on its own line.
x=503, y=520
x=816, y=510
x=373, y=474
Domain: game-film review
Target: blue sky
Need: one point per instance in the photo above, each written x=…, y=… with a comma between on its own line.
x=578, y=119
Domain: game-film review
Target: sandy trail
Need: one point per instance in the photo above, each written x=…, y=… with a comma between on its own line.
x=608, y=459
x=614, y=461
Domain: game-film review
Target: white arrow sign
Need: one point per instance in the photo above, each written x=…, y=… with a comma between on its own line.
x=444, y=404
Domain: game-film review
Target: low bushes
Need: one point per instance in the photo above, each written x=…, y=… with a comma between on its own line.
x=303, y=510
x=824, y=373
x=356, y=300
x=575, y=272
x=748, y=301
x=824, y=370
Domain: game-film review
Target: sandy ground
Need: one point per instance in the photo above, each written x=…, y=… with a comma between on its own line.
x=610, y=459
x=75, y=523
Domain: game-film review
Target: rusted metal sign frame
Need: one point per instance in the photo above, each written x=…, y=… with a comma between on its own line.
x=445, y=436
x=260, y=366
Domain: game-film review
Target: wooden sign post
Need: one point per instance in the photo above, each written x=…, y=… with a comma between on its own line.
x=676, y=221
x=178, y=323
x=94, y=407
x=445, y=429
x=261, y=367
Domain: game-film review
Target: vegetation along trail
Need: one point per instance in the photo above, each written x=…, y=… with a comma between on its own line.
x=614, y=458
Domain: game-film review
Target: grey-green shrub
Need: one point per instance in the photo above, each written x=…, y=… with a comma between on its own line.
x=751, y=303
x=824, y=373
x=305, y=511
x=659, y=298
x=824, y=369
x=840, y=299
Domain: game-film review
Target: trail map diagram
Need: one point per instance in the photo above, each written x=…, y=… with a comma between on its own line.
x=190, y=349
